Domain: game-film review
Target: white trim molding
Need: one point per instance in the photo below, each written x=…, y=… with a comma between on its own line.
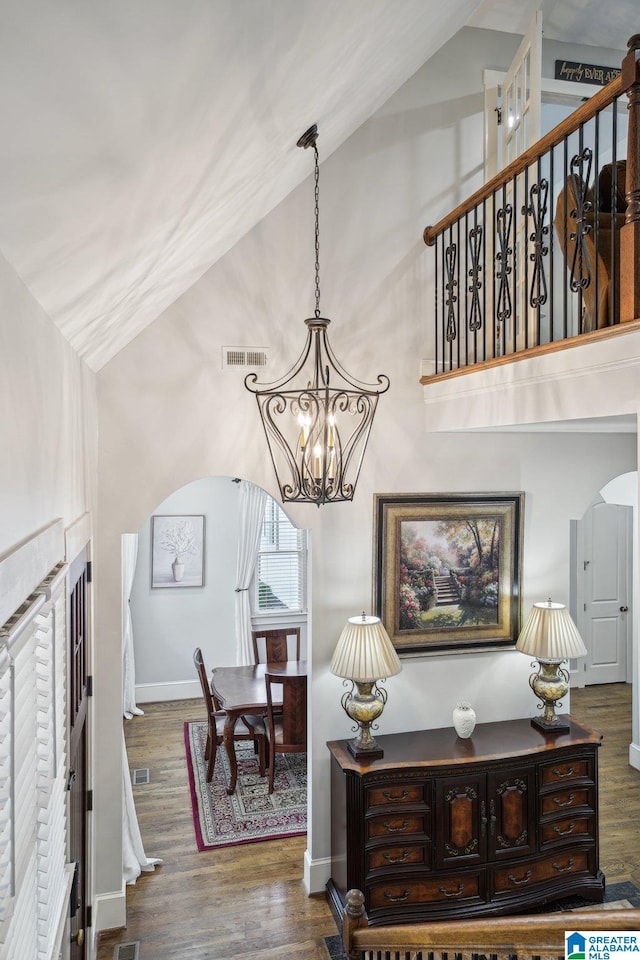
x=25, y=567
x=316, y=874
x=171, y=690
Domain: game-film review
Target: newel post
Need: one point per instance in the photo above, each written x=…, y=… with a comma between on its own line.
x=630, y=232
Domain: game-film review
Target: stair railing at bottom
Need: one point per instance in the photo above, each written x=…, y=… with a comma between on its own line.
x=501, y=938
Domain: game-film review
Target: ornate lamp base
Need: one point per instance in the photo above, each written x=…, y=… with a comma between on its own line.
x=364, y=706
x=557, y=725
x=550, y=683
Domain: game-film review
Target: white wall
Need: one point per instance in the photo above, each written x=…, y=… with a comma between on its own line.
x=47, y=422
x=168, y=624
x=169, y=414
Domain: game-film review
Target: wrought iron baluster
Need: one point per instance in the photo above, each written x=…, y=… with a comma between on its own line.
x=475, y=274
x=536, y=209
x=504, y=223
x=450, y=255
x=580, y=174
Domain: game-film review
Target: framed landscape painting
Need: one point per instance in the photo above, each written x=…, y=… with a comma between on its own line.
x=447, y=570
x=177, y=551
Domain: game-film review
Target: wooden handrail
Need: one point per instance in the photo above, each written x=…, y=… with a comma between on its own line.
x=524, y=936
x=603, y=98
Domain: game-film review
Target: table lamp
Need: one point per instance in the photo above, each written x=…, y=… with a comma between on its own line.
x=364, y=655
x=551, y=636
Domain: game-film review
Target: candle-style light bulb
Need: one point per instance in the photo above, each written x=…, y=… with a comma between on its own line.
x=317, y=462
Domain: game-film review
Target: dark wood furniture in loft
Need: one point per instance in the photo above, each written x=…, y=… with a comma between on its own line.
x=442, y=827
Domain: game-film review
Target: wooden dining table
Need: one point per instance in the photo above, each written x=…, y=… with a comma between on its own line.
x=242, y=690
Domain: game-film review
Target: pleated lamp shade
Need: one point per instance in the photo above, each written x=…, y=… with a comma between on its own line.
x=364, y=651
x=550, y=634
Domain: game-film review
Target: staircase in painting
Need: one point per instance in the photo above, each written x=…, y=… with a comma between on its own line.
x=446, y=591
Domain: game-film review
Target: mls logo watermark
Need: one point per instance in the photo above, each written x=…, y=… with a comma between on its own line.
x=602, y=945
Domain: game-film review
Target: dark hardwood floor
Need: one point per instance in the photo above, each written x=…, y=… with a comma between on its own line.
x=249, y=901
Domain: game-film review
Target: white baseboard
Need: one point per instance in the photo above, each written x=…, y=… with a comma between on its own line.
x=316, y=874
x=171, y=690
x=110, y=911
x=634, y=755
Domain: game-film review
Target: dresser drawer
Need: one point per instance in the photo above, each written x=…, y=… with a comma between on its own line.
x=567, y=830
x=419, y=890
x=562, y=800
x=395, y=794
x=519, y=876
x=397, y=825
x=564, y=771
x=405, y=855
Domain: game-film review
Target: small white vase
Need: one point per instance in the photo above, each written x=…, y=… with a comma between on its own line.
x=177, y=569
x=464, y=719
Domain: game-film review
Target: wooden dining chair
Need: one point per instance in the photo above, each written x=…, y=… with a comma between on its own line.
x=276, y=645
x=286, y=724
x=254, y=727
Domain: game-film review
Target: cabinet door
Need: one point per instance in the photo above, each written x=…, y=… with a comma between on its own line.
x=460, y=820
x=511, y=808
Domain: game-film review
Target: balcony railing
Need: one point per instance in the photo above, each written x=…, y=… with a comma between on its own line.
x=547, y=253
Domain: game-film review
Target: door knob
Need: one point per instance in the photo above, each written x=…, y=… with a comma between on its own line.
x=624, y=609
x=78, y=937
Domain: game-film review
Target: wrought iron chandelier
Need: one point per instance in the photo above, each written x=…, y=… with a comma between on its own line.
x=317, y=430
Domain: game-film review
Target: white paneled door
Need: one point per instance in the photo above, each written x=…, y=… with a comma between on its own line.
x=607, y=538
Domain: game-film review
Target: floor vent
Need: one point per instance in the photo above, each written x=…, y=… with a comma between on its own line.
x=127, y=951
x=141, y=775
x=244, y=357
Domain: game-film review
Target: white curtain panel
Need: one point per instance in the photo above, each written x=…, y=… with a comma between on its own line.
x=252, y=503
x=134, y=859
x=129, y=558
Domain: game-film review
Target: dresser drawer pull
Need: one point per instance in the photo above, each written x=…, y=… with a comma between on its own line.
x=403, y=896
x=394, y=798
x=564, y=803
x=568, y=866
x=563, y=775
x=520, y=880
x=401, y=859
x=452, y=893
x=392, y=829
x=564, y=833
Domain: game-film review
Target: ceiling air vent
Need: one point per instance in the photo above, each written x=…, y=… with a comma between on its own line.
x=244, y=358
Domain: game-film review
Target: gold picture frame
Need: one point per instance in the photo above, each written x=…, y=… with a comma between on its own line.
x=447, y=570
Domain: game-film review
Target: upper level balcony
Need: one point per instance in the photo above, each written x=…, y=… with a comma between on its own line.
x=536, y=278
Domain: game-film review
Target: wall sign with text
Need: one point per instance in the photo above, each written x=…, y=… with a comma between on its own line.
x=585, y=72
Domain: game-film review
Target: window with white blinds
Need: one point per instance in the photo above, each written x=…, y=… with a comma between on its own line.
x=32, y=775
x=280, y=579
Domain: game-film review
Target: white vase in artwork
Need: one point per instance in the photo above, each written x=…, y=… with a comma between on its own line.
x=464, y=719
x=177, y=568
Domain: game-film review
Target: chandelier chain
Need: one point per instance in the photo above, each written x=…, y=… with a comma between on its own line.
x=317, y=233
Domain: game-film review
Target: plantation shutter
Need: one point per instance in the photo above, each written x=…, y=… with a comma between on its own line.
x=51, y=830
x=32, y=781
x=6, y=790
x=21, y=940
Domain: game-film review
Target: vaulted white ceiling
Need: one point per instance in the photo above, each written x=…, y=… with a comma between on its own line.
x=140, y=139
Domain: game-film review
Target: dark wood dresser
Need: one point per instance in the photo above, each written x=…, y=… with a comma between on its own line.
x=443, y=827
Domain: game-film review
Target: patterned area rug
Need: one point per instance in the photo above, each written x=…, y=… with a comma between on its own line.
x=624, y=894
x=250, y=814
